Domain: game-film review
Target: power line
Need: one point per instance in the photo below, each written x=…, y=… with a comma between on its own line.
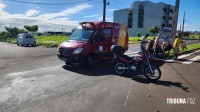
x=196, y=25
x=116, y=6
x=101, y=3
x=198, y=2
x=42, y=3
x=119, y=2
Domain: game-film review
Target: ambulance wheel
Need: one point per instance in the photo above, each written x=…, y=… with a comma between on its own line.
x=89, y=60
x=67, y=63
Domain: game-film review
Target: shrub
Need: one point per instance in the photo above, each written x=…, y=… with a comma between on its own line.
x=138, y=34
x=39, y=34
x=49, y=41
x=50, y=44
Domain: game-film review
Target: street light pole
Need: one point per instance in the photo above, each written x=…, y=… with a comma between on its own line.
x=175, y=19
x=104, y=10
x=183, y=23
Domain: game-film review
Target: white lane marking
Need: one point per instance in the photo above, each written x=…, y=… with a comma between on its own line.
x=133, y=50
x=169, y=60
x=128, y=93
x=191, y=60
x=186, y=55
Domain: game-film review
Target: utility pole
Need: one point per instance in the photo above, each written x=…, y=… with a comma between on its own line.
x=180, y=27
x=175, y=19
x=104, y=10
x=62, y=29
x=183, y=23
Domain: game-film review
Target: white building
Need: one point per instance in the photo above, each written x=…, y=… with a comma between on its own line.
x=144, y=14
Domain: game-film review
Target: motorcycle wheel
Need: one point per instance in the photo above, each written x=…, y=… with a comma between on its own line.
x=120, y=68
x=152, y=77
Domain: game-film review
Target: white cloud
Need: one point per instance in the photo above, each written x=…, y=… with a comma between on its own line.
x=100, y=18
x=3, y=14
x=37, y=7
x=190, y=27
x=46, y=21
x=111, y=10
x=66, y=12
x=2, y=6
x=91, y=16
x=32, y=12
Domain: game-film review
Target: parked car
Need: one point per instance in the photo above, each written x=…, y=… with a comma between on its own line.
x=93, y=41
x=25, y=39
x=166, y=39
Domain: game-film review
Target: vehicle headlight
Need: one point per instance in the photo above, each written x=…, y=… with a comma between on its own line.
x=78, y=50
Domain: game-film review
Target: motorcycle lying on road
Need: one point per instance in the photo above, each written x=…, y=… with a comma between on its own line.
x=141, y=61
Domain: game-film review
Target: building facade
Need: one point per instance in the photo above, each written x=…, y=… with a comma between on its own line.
x=144, y=14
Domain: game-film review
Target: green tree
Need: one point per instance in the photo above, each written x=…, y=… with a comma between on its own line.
x=4, y=35
x=13, y=31
x=138, y=34
x=33, y=28
x=27, y=27
x=154, y=29
x=22, y=31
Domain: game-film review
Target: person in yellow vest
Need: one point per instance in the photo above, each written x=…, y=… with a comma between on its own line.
x=176, y=45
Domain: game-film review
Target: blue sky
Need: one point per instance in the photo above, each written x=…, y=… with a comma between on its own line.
x=67, y=16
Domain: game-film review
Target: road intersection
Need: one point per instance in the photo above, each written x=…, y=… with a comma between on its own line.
x=36, y=80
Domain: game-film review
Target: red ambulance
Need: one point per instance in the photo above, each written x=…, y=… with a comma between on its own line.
x=93, y=41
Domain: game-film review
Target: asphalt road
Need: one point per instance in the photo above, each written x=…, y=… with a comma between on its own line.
x=33, y=79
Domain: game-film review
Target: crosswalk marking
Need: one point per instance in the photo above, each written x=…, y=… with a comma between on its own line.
x=169, y=60
x=186, y=55
x=188, y=61
x=132, y=52
x=191, y=60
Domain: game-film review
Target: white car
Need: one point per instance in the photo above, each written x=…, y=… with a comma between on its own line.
x=166, y=39
x=25, y=39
